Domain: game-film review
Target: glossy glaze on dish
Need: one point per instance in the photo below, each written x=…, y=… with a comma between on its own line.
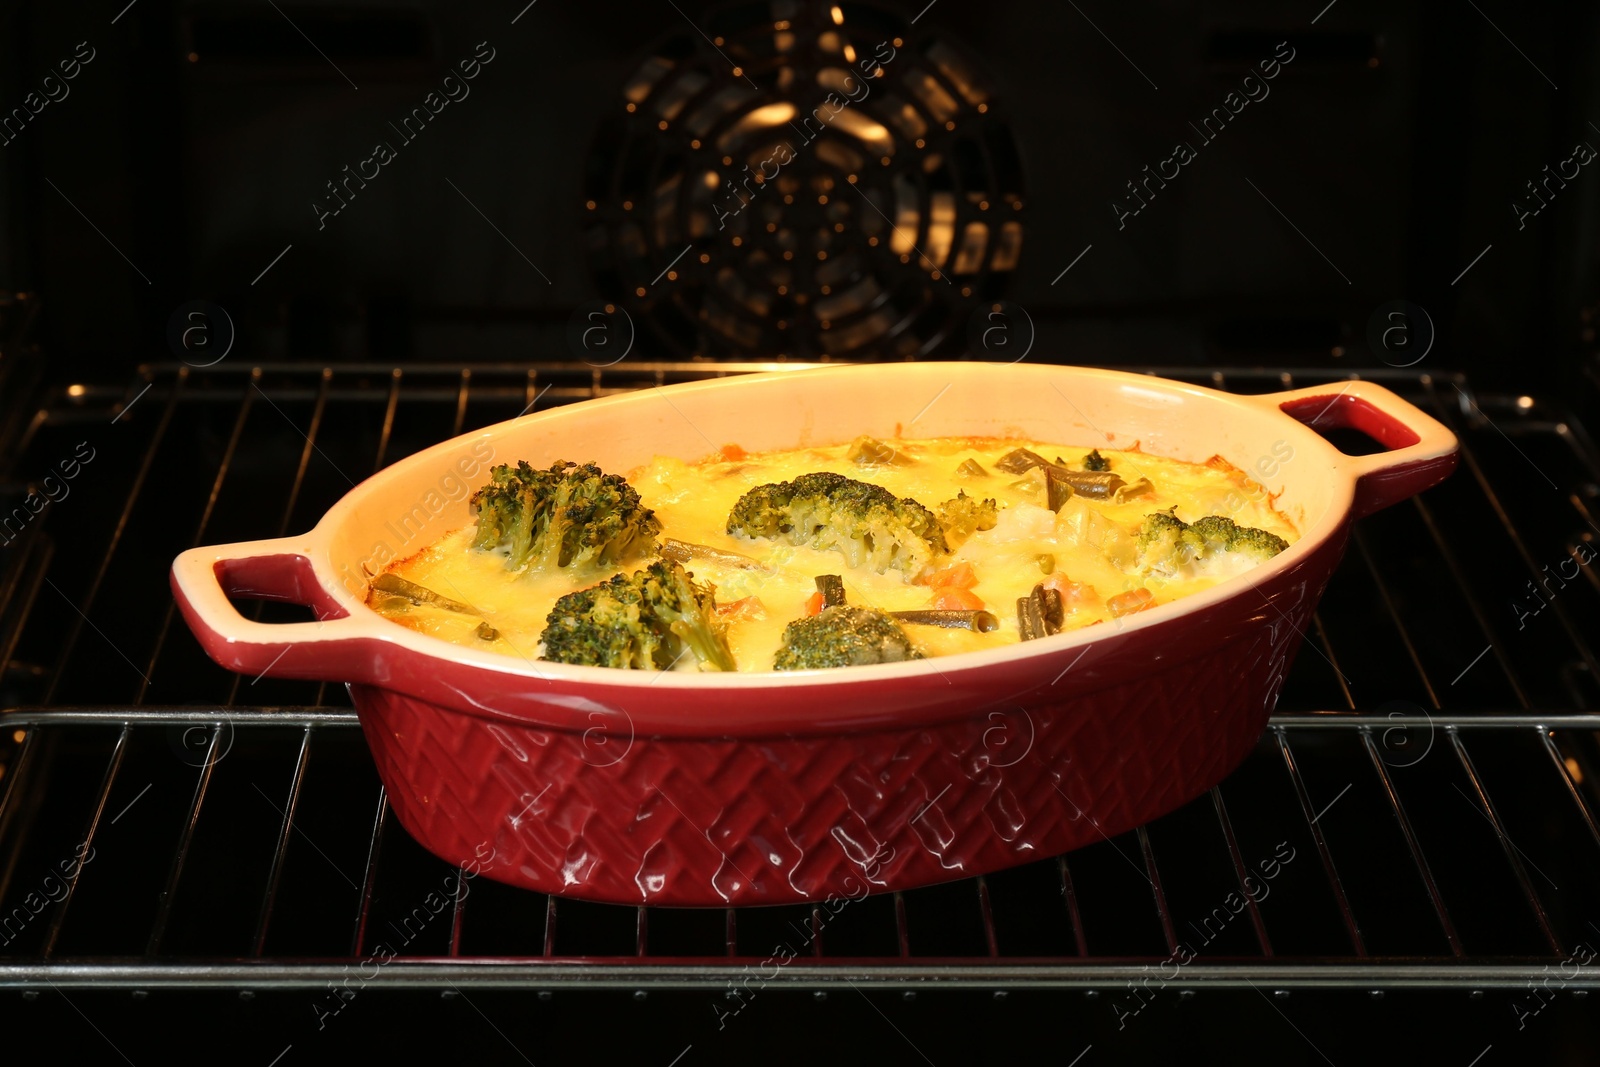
x=766, y=788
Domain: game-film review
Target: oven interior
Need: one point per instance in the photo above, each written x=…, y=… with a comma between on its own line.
x=210, y=331
x=1424, y=800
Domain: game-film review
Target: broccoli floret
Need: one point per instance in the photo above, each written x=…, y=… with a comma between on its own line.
x=567, y=516
x=962, y=516
x=647, y=620
x=829, y=511
x=1222, y=534
x=1094, y=461
x=843, y=637
x=1167, y=544
x=1169, y=547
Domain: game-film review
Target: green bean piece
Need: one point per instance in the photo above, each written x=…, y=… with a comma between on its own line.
x=684, y=551
x=397, y=586
x=1019, y=460
x=1030, y=618
x=1050, y=608
x=831, y=586
x=1096, y=485
x=978, y=621
x=1058, y=490
x=1128, y=492
x=869, y=451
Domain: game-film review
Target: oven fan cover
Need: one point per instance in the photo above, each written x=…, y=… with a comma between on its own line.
x=803, y=181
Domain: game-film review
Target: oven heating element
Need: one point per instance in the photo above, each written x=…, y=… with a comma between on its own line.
x=823, y=186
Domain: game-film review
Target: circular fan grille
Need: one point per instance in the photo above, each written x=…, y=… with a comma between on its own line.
x=805, y=181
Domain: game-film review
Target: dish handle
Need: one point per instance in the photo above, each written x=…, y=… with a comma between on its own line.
x=1422, y=450
x=277, y=569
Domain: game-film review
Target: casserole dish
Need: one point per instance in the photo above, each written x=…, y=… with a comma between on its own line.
x=679, y=788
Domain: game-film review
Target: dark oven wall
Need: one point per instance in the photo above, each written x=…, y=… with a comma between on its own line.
x=1159, y=185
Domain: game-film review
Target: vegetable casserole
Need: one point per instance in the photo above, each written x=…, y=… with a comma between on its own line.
x=871, y=552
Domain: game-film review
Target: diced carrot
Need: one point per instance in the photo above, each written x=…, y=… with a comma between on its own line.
x=814, y=604
x=1078, y=593
x=953, y=598
x=1131, y=601
x=749, y=607
x=1072, y=593
x=732, y=452
x=955, y=576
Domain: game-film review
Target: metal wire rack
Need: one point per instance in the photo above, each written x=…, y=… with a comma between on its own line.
x=1421, y=812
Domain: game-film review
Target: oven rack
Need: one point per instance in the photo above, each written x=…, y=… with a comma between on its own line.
x=1444, y=633
x=1534, y=922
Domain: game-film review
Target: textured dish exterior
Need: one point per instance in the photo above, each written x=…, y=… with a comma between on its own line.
x=686, y=789
x=700, y=821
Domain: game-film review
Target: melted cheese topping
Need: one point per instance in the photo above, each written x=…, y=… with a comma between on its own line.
x=1091, y=543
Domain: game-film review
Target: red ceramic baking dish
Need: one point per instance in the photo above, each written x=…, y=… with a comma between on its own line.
x=766, y=788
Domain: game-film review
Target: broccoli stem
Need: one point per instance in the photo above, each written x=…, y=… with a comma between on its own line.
x=707, y=645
